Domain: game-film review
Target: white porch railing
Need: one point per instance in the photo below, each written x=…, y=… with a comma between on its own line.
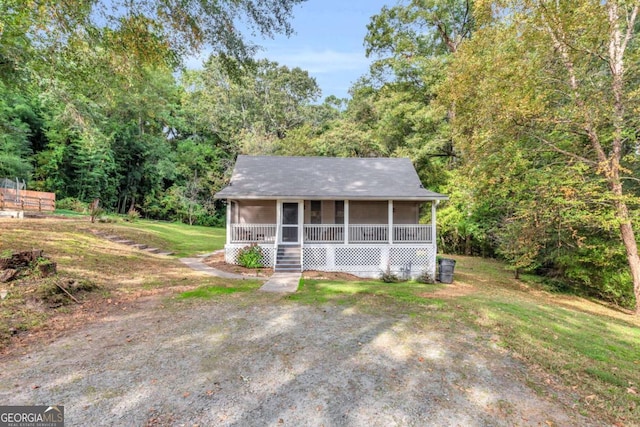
x=368, y=233
x=324, y=233
x=412, y=233
x=334, y=233
x=253, y=233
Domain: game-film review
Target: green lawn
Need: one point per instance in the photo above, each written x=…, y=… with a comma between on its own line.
x=182, y=239
x=589, y=349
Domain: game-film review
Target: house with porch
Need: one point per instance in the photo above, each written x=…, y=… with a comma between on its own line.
x=353, y=215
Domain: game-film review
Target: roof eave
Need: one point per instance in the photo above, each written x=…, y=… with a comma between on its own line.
x=337, y=197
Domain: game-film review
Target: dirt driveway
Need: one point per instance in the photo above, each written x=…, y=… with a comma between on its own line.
x=261, y=360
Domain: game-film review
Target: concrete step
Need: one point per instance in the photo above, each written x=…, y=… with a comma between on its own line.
x=140, y=246
x=287, y=269
x=289, y=262
x=124, y=242
x=289, y=256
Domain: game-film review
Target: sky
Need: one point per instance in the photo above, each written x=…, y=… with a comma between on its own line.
x=328, y=42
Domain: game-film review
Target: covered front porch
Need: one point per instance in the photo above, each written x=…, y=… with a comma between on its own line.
x=359, y=237
x=327, y=222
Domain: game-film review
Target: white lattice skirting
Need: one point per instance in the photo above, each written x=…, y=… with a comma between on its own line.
x=409, y=261
x=372, y=260
x=268, y=254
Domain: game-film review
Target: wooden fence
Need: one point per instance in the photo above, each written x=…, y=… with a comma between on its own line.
x=26, y=200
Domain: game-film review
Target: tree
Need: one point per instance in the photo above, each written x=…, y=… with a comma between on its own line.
x=150, y=30
x=556, y=77
x=252, y=113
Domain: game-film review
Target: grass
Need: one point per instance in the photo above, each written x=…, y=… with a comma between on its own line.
x=594, y=356
x=69, y=212
x=118, y=272
x=182, y=239
x=588, y=349
x=593, y=350
x=323, y=291
x=212, y=291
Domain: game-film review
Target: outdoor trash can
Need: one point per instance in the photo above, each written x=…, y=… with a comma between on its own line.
x=445, y=270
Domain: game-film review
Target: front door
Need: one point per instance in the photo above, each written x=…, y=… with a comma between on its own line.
x=290, y=224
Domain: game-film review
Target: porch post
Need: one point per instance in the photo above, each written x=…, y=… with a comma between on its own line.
x=278, y=221
x=434, y=203
x=228, y=221
x=390, y=218
x=346, y=222
x=301, y=223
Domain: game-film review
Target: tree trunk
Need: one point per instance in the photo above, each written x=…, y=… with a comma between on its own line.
x=618, y=40
x=634, y=261
x=631, y=247
x=467, y=245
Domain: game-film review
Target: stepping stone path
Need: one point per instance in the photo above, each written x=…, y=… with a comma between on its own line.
x=139, y=246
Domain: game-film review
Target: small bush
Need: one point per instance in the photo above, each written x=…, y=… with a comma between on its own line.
x=250, y=257
x=426, y=277
x=107, y=219
x=388, y=276
x=72, y=204
x=133, y=215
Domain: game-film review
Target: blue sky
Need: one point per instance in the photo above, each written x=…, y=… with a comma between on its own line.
x=328, y=42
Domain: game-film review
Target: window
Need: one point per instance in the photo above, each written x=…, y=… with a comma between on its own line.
x=339, y=210
x=316, y=212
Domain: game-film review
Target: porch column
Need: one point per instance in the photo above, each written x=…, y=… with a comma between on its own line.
x=278, y=222
x=301, y=223
x=434, y=203
x=346, y=222
x=228, y=221
x=390, y=218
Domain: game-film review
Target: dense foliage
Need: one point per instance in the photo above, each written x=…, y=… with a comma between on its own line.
x=525, y=112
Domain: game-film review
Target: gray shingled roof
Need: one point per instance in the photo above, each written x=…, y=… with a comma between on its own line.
x=270, y=177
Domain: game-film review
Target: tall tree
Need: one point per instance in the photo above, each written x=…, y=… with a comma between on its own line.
x=252, y=113
x=557, y=77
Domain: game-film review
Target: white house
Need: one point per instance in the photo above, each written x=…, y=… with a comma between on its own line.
x=354, y=215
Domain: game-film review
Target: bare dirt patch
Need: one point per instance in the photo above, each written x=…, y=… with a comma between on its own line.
x=216, y=260
x=453, y=290
x=259, y=359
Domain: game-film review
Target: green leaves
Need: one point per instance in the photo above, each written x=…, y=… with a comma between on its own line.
x=541, y=117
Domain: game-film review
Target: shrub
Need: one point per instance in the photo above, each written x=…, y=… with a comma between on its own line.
x=133, y=215
x=426, y=277
x=388, y=276
x=250, y=257
x=107, y=219
x=72, y=204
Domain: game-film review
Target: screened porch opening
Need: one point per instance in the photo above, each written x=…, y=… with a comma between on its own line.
x=253, y=221
x=367, y=222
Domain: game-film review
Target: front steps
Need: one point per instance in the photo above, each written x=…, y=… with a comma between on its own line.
x=288, y=259
x=139, y=246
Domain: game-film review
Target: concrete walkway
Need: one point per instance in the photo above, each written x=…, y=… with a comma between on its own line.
x=282, y=282
x=278, y=282
x=198, y=265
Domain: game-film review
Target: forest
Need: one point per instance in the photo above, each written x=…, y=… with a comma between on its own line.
x=525, y=112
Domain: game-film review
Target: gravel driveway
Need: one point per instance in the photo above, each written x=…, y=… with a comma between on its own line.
x=262, y=360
